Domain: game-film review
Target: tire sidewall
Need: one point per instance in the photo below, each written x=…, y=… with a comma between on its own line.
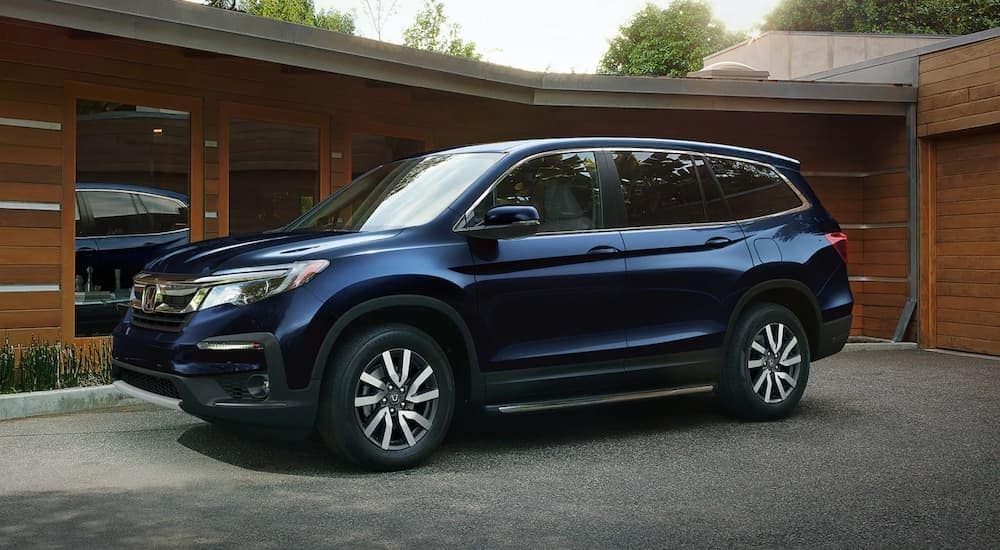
x=338, y=423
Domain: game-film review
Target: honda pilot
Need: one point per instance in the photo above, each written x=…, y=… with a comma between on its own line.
x=508, y=278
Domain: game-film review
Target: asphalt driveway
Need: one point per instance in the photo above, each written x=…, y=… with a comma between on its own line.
x=888, y=449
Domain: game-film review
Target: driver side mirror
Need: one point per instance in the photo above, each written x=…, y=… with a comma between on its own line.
x=506, y=222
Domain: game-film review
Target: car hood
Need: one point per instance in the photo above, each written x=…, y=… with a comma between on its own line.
x=206, y=257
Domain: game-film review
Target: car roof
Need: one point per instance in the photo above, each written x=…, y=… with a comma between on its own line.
x=531, y=146
x=91, y=186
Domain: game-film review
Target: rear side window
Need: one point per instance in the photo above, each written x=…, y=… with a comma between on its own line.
x=165, y=214
x=660, y=188
x=115, y=213
x=752, y=189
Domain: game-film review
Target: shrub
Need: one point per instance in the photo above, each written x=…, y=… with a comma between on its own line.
x=43, y=366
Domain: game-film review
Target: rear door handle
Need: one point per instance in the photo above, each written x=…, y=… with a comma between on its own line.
x=603, y=249
x=717, y=242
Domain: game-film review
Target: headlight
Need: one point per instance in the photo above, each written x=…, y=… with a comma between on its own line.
x=249, y=285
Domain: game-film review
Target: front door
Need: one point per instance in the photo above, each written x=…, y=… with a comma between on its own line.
x=551, y=302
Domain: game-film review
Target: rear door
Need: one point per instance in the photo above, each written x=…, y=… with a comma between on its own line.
x=551, y=303
x=684, y=258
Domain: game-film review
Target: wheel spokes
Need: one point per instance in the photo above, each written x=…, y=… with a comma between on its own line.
x=755, y=364
x=370, y=428
x=416, y=417
x=405, y=427
x=372, y=381
x=426, y=396
x=404, y=373
x=387, y=435
x=757, y=347
x=787, y=378
x=390, y=368
x=364, y=401
x=421, y=378
x=396, y=399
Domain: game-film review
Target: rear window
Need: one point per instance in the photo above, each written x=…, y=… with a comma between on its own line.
x=751, y=189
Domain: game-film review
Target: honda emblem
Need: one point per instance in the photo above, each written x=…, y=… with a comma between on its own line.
x=149, y=298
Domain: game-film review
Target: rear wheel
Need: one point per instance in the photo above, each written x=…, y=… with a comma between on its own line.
x=388, y=398
x=767, y=364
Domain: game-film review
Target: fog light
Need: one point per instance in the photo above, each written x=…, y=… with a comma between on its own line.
x=258, y=386
x=215, y=345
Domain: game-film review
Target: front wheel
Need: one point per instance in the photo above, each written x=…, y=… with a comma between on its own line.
x=388, y=398
x=767, y=364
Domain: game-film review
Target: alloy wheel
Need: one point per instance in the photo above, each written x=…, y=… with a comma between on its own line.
x=396, y=399
x=774, y=361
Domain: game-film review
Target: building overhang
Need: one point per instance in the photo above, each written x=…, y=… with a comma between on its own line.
x=195, y=27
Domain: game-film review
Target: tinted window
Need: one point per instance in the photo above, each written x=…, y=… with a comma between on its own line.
x=563, y=187
x=660, y=188
x=715, y=207
x=753, y=189
x=165, y=214
x=115, y=213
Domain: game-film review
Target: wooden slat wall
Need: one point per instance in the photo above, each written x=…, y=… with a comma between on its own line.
x=30, y=239
x=959, y=89
x=41, y=58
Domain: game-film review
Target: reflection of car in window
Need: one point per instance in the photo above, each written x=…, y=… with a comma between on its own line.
x=118, y=229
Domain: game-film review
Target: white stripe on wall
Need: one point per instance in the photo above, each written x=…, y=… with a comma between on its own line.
x=211, y=215
x=211, y=144
x=24, y=123
x=29, y=288
x=23, y=205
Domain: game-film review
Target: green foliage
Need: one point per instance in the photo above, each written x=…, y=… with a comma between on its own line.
x=302, y=12
x=42, y=366
x=671, y=41
x=880, y=16
x=431, y=31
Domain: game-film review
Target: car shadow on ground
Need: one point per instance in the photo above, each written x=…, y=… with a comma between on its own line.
x=473, y=435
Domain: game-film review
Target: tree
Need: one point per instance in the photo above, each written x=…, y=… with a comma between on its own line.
x=302, y=12
x=379, y=11
x=431, y=31
x=880, y=16
x=671, y=41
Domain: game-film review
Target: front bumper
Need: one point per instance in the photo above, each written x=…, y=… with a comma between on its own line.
x=226, y=397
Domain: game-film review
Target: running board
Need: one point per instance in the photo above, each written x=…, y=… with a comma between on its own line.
x=573, y=402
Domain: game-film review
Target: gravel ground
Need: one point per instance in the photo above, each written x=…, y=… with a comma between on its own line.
x=887, y=449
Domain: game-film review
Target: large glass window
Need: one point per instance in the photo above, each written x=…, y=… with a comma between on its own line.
x=753, y=189
x=562, y=186
x=660, y=188
x=273, y=174
x=132, y=171
x=369, y=151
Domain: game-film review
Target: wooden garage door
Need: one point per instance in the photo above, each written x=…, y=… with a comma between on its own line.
x=967, y=236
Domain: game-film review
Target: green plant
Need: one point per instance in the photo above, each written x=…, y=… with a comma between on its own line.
x=43, y=366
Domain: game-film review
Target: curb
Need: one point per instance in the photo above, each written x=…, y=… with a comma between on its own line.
x=879, y=346
x=22, y=405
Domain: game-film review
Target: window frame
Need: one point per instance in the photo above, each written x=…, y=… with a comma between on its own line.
x=598, y=152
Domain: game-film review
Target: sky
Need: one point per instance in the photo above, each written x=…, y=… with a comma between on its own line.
x=542, y=35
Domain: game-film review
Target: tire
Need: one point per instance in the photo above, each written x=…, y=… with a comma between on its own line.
x=766, y=365
x=387, y=399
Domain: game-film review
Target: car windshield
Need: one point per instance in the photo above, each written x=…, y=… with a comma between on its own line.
x=400, y=194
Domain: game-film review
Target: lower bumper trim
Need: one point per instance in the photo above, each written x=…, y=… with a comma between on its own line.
x=149, y=397
x=599, y=399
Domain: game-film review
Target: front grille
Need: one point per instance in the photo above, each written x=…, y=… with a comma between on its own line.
x=166, y=322
x=177, y=302
x=152, y=384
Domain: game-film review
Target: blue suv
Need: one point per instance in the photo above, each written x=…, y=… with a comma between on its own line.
x=509, y=277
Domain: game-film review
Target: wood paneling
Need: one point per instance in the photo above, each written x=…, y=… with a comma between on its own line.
x=959, y=89
x=964, y=263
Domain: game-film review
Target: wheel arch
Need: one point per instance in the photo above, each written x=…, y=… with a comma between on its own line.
x=435, y=317
x=789, y=293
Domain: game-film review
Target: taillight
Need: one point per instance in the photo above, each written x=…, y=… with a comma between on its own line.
x=838, y=241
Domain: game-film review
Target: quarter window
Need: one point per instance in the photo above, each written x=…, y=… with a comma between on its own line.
x=660, y=188
x=753, y=189
x=563, y=187
x=165, y=214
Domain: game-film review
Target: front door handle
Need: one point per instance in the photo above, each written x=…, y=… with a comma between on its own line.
x=718, y=242
x=603, y=249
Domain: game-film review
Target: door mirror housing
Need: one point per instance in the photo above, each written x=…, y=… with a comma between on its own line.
x=506, y=222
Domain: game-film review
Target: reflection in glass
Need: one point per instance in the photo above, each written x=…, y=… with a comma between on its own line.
x=132, y=173
x=370, y=151
x=273, y=174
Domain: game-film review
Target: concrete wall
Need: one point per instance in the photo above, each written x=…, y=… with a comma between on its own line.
x=791, y=55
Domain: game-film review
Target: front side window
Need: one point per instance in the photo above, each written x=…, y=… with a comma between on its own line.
x=753, y=189
x=115, y=213
x=563, y=187
x=660, y=188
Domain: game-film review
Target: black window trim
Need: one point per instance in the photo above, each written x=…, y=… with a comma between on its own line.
x=83, y=199
x=462, y=221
